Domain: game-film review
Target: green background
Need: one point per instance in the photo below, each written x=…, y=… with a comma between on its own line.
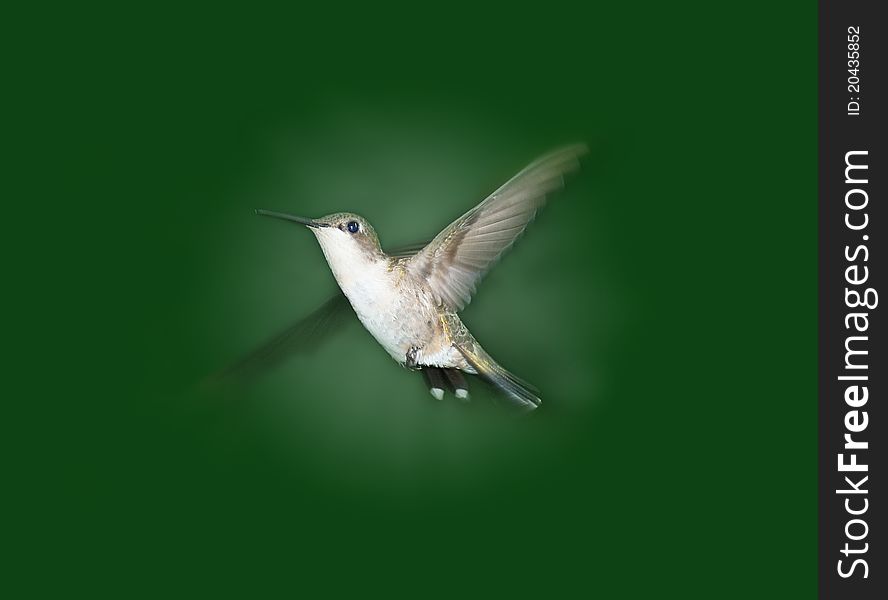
x=664, y=303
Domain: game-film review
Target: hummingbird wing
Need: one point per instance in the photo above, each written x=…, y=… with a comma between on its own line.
x=407, y=250
x=298, y=337
x=303, y=334
x=461, y=254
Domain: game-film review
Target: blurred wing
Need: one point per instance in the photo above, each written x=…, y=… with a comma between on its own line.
x=407, y=250
x=302, y=335
x=459, y=256
x=295, y=339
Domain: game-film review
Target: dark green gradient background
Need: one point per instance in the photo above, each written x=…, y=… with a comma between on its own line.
x=664, y=303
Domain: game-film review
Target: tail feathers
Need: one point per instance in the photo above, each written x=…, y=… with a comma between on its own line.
x=512, y=387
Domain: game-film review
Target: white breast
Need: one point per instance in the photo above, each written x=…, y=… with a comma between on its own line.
x=383, y=309
x=371, y=288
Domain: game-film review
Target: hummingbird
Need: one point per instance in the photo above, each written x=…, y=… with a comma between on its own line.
x=409, y=299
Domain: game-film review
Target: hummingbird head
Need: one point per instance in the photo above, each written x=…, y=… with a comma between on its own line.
x=347, y=239
x=347, y=232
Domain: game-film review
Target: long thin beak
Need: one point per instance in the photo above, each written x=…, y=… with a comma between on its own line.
x=286, y=217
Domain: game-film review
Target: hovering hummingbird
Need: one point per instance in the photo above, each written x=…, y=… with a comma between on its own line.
x=409, y=299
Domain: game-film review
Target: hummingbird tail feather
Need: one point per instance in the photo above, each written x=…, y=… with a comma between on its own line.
x=434, y=379
x=513, y=387
x=457, y=383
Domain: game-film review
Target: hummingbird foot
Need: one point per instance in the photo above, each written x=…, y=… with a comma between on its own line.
x=410, y=359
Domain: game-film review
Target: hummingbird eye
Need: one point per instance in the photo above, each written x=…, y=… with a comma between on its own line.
x=353, y=226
